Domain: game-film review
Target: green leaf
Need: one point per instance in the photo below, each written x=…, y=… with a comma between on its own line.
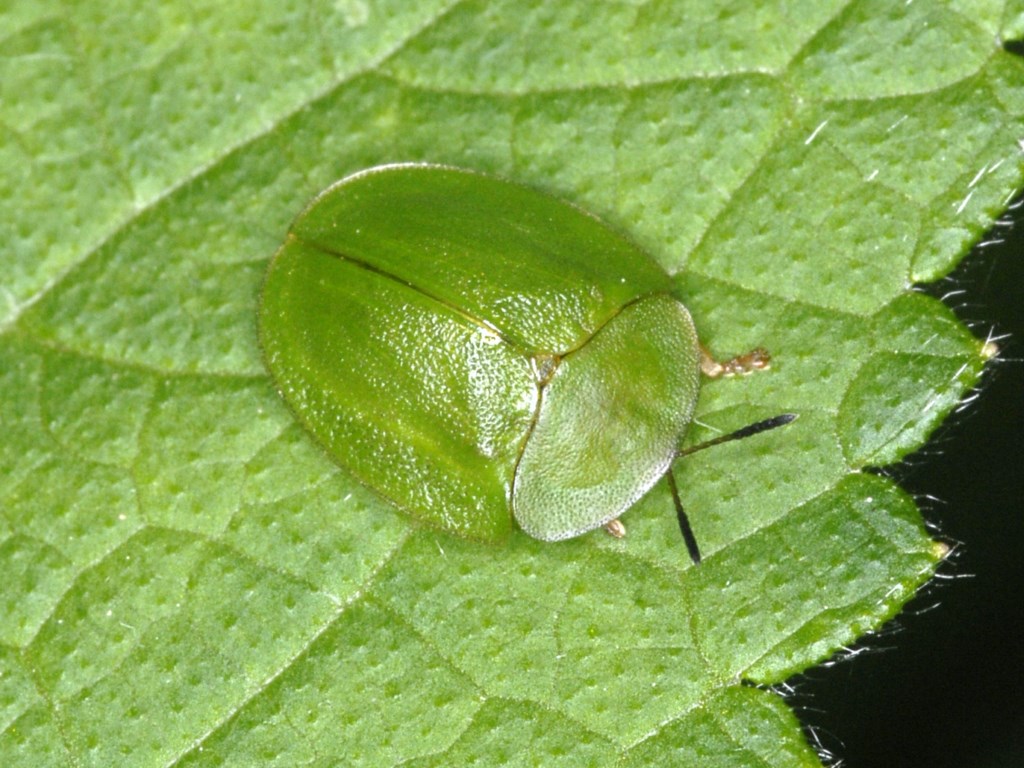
x=188, y=580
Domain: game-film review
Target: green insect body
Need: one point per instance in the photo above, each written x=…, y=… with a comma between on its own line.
x=476, y=351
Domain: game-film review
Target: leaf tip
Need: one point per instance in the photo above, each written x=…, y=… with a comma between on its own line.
x=940, y=550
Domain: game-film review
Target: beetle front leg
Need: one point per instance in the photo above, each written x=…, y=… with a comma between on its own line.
x=615, y=528
x=755, y=360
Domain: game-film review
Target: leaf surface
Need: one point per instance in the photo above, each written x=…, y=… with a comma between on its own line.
x=189, y=581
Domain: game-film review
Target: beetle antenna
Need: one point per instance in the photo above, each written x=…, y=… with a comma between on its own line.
x=748, y=431
x=739, y=434
x=684, y=521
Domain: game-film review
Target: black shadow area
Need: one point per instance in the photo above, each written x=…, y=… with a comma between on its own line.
x=943, y=687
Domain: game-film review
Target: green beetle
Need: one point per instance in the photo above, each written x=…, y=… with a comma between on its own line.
x=477, y=351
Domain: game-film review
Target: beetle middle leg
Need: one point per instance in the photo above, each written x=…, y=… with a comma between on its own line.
x=755, y=360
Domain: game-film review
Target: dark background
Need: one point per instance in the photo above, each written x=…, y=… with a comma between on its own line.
x=943, y=685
